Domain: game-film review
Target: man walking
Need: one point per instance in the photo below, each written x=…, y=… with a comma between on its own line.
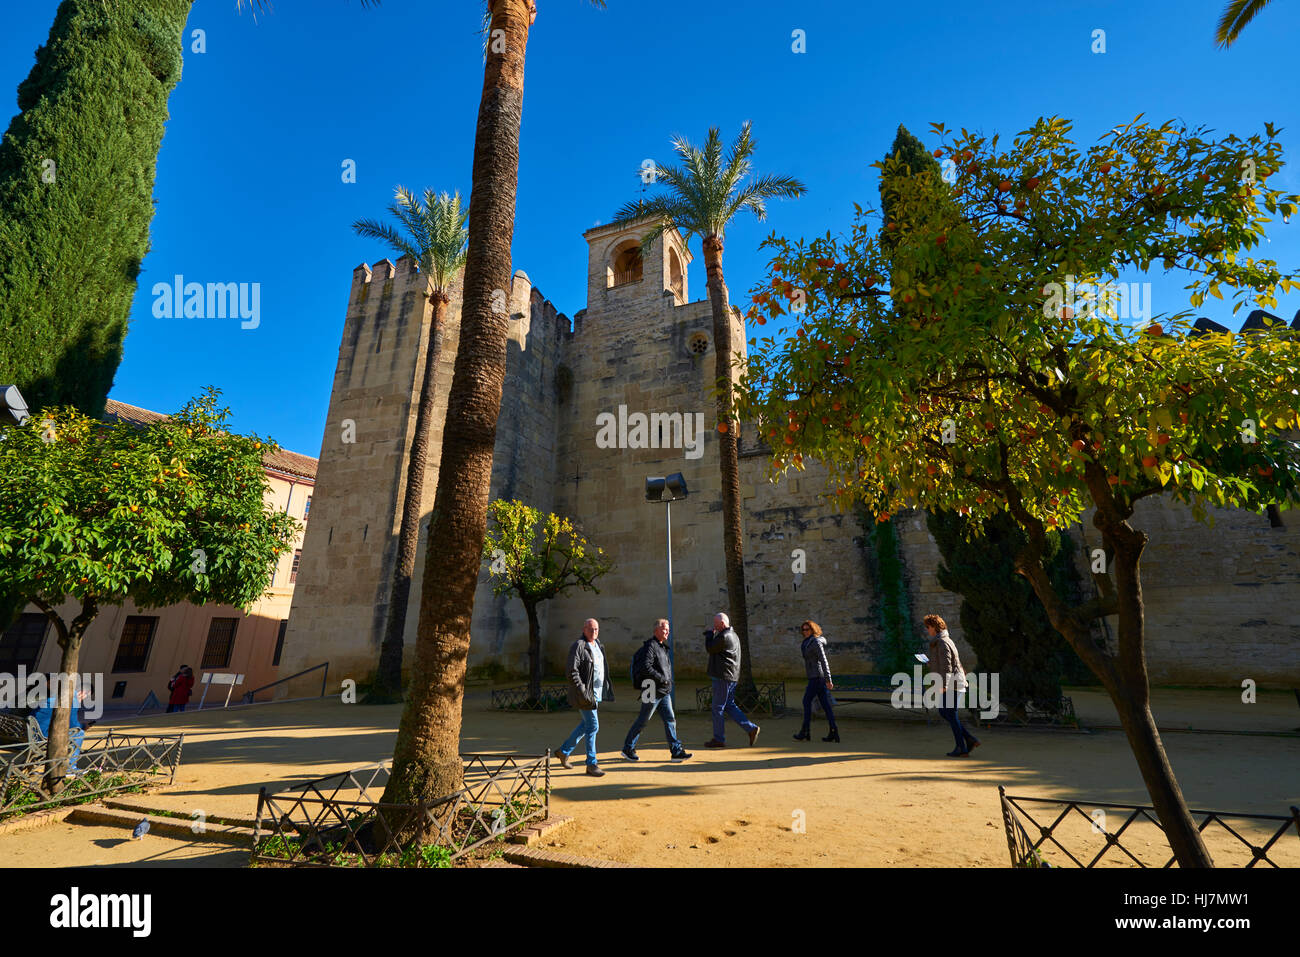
x=589, y=684
x=652, y=676
x=723, y=646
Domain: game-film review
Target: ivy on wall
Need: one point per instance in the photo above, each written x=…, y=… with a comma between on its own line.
x=891, y=599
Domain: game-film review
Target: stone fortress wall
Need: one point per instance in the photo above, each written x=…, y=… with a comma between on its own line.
x=1223, y=602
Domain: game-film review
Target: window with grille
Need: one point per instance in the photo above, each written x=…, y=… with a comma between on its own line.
x=279, y=643
x=306, y=508
x=137, y=639
x=21, y=644
x=293, y=572
x=221, y=642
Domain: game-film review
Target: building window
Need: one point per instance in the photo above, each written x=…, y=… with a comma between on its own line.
x=279, y=643
x=627, y=265
x=21, y=644
x=676, y=278
x=221, y=642
x=293, y=572
x=135, y=643
x=306, y=508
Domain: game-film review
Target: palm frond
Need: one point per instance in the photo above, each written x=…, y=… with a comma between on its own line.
x=704, y=193
x=1235, y=17
x=432, y=232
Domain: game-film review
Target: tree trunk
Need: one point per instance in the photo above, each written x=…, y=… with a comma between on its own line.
x=1134, y=701
x=388, y=679
x=426, y=759
x=1124, y=675
x=534, y=652
x=733, y=540
x=56, y=742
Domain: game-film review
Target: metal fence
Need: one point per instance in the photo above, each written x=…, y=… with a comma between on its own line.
x=770, y=698
x=1093, y=830
x=340, y=821
x=552, y=698
x=107, y=763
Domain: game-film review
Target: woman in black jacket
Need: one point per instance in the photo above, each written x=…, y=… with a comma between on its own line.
x=818, y=670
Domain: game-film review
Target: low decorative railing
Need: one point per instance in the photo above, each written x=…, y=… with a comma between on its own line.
x=552, y=698
x=340, y=821
x=107, y=763
x=769, y=699
x=1133, y=832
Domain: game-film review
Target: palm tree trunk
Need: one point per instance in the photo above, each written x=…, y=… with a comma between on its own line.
x=388, y=680
x=426, y=759
x=733, y=540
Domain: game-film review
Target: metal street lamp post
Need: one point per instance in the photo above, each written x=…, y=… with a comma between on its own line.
x=668, y=490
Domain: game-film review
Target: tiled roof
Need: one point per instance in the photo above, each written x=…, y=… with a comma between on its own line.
x=292, y=463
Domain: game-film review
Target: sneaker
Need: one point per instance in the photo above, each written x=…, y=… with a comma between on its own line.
x=681, y=755
x=753, y=735
x=595, y=771
x=630, y=754
x=958, y=754
x=714, y=743
x=563, y=759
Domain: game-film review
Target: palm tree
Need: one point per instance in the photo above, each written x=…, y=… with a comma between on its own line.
x=1236, y=15
x=426, y=757
x=433, y=235
x=704, y=195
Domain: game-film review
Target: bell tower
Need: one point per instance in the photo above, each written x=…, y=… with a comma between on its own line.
x=617, y=272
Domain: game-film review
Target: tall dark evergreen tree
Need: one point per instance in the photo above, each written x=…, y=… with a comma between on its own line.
x=76, y=194
x=1001, y=617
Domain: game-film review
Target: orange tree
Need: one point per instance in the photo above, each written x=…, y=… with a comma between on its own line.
x=92, y=514
x=937, y=366
x=538, y=556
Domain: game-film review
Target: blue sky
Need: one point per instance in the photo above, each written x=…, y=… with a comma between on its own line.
x=249, y=184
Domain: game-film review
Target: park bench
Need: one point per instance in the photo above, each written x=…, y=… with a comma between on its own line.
x=869, y=689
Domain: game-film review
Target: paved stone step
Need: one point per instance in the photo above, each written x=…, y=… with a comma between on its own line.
x=537, y=857
x=121, y=805
x=535, y=832
x=175, y=827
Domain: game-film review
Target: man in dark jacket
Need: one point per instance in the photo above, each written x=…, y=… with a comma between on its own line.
x=589, y=684
x=652, y=675
x=723, y=646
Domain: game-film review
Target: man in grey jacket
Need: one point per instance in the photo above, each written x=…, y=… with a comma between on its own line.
x=723, y=646
x=589, y=685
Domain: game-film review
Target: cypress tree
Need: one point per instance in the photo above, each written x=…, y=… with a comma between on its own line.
x=76, y=194
x=1001, y=617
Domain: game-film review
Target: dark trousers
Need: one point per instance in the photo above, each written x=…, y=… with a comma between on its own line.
x=664, y=706
x=175, y=707
x=817, y=689
x=963, y=737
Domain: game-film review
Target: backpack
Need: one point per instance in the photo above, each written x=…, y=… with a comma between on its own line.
x=638, y=667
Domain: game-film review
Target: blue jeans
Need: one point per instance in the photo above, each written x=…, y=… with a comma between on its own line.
x=724, y=703
x=963, y=737
x=817, y=689
x=588, y=725
x=664, y=706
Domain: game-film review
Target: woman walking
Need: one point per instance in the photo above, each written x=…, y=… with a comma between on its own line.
x=945, y=662
x=818, y=670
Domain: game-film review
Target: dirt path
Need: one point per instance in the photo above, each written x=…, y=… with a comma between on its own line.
x=886, y=796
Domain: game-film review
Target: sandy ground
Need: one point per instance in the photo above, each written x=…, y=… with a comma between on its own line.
x=887, y=795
